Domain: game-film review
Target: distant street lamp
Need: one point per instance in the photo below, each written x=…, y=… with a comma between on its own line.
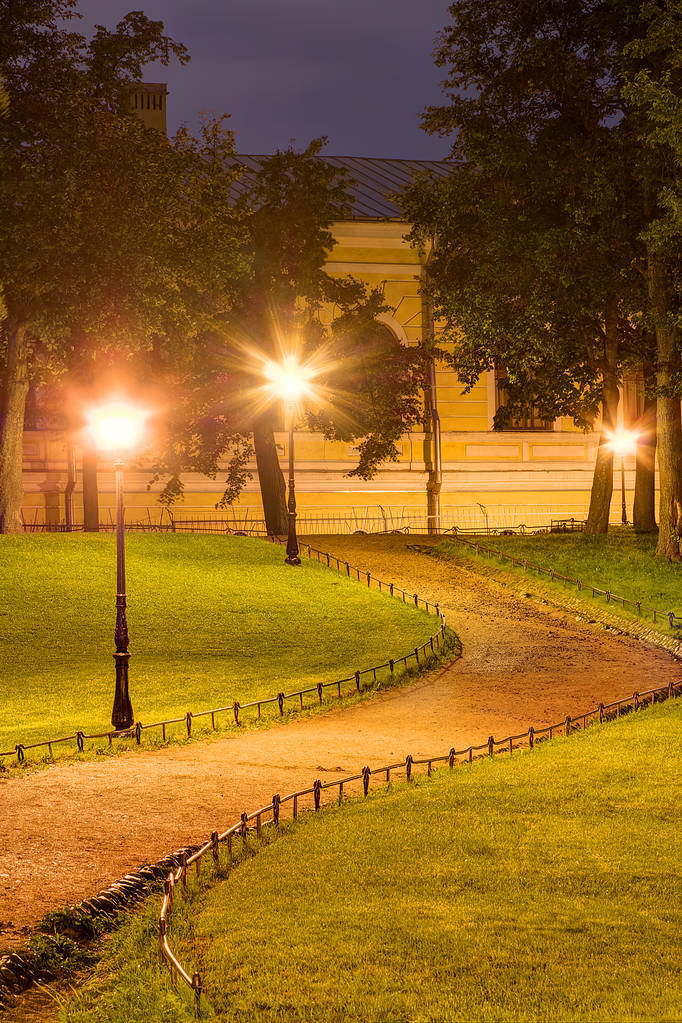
x=288, y=381
x=117, y=429
x=623, y=442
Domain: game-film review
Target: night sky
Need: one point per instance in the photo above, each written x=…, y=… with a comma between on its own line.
x=359, y=71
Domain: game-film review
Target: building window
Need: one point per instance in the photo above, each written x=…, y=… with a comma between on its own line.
x=532, y=420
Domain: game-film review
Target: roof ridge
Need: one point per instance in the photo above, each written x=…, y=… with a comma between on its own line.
x=341, y=156
x=375, y=181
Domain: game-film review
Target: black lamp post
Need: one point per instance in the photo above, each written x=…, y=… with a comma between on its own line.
x=623, y=442
x=290, y=382
x=292, y=557
x=623, y=506
x=117, y=429
x=122, y=714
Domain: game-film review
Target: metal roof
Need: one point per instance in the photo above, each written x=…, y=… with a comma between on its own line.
x=372, y=180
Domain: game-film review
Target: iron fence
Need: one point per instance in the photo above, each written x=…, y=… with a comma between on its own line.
x=475, y=519
x=270, y=814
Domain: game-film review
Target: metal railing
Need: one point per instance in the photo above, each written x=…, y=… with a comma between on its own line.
x=468, y=519
x=439, y=642
x=674, y=620
x=270, y=814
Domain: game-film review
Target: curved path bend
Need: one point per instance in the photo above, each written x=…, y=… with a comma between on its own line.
x=69, y=830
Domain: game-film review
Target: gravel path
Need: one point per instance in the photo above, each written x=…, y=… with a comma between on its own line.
x=70, y=830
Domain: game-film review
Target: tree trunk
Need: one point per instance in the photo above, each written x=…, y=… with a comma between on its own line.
x=272, y=486
x=669, y=423
x=602, y=481
x=90, y=491
x=12, y=429
x=644, y=509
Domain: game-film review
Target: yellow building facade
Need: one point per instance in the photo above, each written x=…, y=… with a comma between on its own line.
x=457, y=471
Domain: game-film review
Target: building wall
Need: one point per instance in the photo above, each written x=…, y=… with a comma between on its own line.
x=515, y=475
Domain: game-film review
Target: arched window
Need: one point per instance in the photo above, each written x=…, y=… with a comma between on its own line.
x=394, y=326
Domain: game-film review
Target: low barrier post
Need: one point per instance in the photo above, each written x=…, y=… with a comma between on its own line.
x=196, y=986
x=162, y=935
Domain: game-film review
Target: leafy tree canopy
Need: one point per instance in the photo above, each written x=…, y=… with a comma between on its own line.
x=539, y=264
x=113, y=239
x=289, y=305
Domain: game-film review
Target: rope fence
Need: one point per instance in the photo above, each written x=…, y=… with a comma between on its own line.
x=270, y=815
x=438, y=643
x=674, y=620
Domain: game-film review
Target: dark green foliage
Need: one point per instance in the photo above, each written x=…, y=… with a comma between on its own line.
x=370, y=382
x=653, y=89
x=58, y=954
x=542, y=264
x=116, y=244
x=73, y=923
x=534, y=227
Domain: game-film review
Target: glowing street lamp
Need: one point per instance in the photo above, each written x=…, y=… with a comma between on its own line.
x=623, y=442
x=117, y=429
x=289, y=381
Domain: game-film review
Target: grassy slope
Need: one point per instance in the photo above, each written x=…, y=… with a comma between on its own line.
x=212, y=619
x=621, y=561
x=542, y=888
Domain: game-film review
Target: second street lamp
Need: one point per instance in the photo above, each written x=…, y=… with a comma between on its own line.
x=623, y=442
x=117, y=429
x=289, y=382
x=292, y=557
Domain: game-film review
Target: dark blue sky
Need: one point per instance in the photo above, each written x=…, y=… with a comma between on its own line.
x=359, y=71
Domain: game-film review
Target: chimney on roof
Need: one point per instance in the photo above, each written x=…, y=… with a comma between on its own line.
x=148, y=102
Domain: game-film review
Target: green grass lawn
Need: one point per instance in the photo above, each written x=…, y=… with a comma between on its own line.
x=212, y=620
x=621, y=562
x=545, y=887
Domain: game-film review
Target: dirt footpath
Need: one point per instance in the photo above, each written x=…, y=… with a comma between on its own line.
x=69, y=830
